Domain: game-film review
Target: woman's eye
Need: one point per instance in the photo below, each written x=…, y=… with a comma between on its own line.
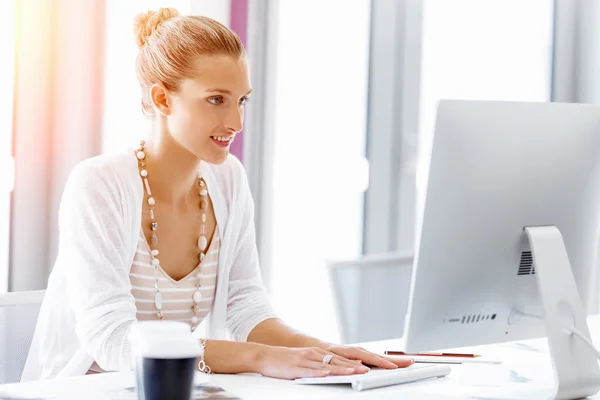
x=244, y=100
x=215, y=100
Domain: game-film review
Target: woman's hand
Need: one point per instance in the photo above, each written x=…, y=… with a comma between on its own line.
x=292, y=363
x=363, y=356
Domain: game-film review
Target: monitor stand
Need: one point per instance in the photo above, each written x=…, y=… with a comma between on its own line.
x=576, y=370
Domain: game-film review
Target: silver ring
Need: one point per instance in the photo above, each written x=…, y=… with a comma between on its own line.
x=327, y=359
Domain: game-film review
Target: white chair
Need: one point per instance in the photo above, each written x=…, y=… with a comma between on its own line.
x=18, y=317
x=371, y=295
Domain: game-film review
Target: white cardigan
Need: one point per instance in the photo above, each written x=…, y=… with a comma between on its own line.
x=88, y=309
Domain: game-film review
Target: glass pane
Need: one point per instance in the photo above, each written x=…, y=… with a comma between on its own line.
x=483, y=50
x=123, y=122
x=7, y=48
x=319, y=168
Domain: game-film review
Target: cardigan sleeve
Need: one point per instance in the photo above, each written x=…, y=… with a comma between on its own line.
x=93, y=244
x=248, y=302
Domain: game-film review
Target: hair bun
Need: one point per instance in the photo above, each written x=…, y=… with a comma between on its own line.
x=145, y=24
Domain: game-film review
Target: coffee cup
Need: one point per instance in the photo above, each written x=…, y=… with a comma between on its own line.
x=166, y=357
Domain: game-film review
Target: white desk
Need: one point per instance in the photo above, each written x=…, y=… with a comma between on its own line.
x=466, y=381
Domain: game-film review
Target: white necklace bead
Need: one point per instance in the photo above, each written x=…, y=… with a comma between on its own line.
x=158, y=300
x=202, y=242
x=197, y=296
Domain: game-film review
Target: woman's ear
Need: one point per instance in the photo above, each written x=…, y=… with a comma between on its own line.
x=160, y=99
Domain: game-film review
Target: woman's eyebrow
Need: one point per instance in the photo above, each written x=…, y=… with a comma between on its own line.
x=225, y=91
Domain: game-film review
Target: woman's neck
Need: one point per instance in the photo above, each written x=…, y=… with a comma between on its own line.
x=172, y=170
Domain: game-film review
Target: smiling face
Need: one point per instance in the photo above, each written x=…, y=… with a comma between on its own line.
x=206, y=112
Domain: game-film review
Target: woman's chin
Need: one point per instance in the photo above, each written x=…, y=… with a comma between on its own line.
x=216, y=159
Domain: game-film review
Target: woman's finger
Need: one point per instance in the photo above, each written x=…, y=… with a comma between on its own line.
x=367, y=357
x=341, y=361
x=304, y=372
x=401, y=362
x=333, y=369
x=384, y=362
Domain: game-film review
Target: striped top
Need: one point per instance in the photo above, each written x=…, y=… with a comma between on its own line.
x=177, y=295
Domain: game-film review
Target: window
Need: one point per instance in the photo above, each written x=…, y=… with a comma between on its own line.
x=322, y=60
x=7, y=48
x=124, y=124
x=483, y=50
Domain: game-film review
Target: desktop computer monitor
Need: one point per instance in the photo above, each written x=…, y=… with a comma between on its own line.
x=508, y=232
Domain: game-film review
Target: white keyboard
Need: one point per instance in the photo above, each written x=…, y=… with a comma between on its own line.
x=382, y=377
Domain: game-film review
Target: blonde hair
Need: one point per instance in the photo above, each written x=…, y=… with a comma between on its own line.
x=170, y=44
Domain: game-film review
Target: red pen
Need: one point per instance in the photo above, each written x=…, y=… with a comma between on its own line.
x=401, y=353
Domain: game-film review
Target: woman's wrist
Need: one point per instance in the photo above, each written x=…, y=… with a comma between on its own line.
x=227, y=357
x=255, y=356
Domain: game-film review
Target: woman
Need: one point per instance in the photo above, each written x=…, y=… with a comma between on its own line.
x=167, y=231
